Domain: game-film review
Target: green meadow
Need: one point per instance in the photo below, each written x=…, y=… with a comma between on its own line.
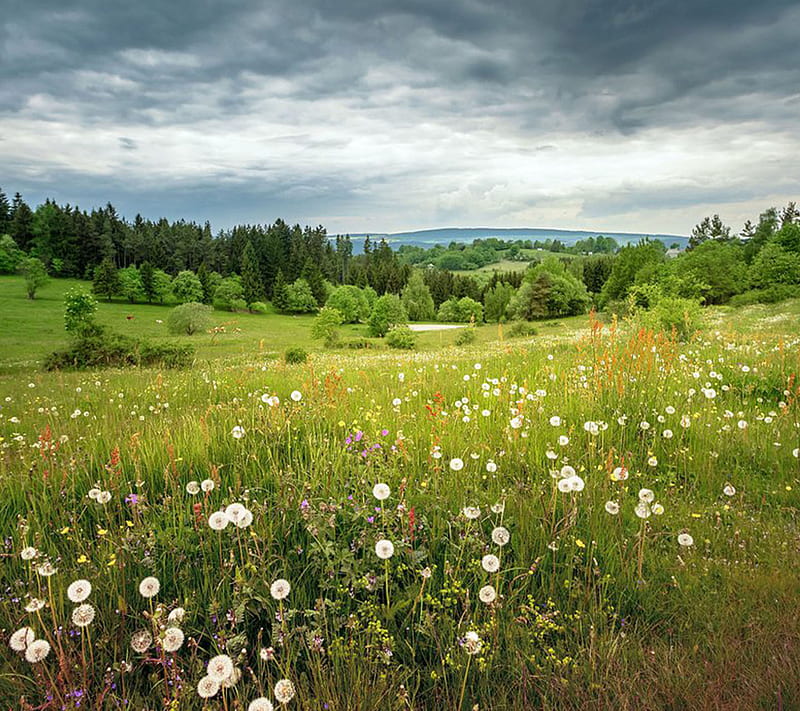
x=597, y=516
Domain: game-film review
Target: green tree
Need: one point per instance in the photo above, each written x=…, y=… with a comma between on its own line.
x=147, y=275
x=252, y=285
x=387, y=312
x=351, y=302
x=21, y=227
x=189, y=318
x=207, y=282
x=417, y=299
x=187, y=288
x=35, y=275
x=5, y=213
x=312, y=275
x=461, y=310
x=106, y=279
x=709, y=228
x=228, y=293
x=774, y=265
x=162, y=285
x=130, y=284
x=326, y=326
x=496, y=301
x=10, y=255
x=719, y=265
x=299, y=298
x=279, y=297
x=630, y=259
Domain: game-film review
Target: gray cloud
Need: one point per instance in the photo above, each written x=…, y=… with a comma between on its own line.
x=469, y=110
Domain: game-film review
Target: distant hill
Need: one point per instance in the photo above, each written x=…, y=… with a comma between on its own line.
x=428, y=238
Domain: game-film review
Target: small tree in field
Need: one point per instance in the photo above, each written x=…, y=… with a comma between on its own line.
x=326, y=326
x=187, y=287
x=79, y=309
x=106, y=279
x=35, y=275
x=189, y=318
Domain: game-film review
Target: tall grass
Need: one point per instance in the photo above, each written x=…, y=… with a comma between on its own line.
x=592, y=609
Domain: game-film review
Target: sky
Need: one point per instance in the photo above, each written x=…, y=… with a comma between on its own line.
x=384, y=116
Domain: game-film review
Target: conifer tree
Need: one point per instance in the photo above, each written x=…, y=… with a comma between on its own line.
x=106, y=279
x=252, y=285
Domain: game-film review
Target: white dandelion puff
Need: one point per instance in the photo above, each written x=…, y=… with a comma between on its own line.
x=37, y=650
x=284, y=691
x=149, y=587
x=501, y=536
x=220, y=667
x=490, y=563
x=79, y=590
x=83, y=615
x=20, y=640
x=173, y=639
x=487, y=594
x=381, y=491
x=207, y=687
x=280, y=589
x=384, y=549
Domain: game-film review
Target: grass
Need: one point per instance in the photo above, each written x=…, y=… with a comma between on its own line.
x=33, y=328
x=592, y=610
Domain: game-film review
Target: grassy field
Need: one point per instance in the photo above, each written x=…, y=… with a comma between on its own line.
x=594, y=518
x=33, y=328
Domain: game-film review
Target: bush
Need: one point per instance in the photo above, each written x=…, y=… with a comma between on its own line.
x=359, y=343
x=351, y=302
x=673, y=313
x=258, y=307
x=461, y=310
x=402, y=338
x=238, y=305
x=189, y=318
x=521, y=329
x=466, y=336
x=79, y=309
x=35, y=275
x=770, y=295
x=227, y=293
x=94, y=347
x=295, y=355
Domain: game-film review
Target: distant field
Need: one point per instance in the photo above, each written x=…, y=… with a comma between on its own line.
x=29, y=330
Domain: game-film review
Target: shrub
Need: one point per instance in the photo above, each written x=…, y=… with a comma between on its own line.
x=238, y=305
x=461, y=310
x=79, y=309
x=521, y=329
x=359, y=343
x=94, y=347
x=299, y=298
x=189, y=318
x=402, y=338
x=673, y=313
x=295, y=355
x=466, y=336
x=35, y=275
x=258, y=307
x=227, y=292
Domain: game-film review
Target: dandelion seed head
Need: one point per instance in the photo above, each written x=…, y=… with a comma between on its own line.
x=220, y=667
x=173, y=639
x=381, y=491
x=487, y=594
x=37, y=650
x=280, y=589
x=490, y=563
x=149, y=587
x=501, y=536
x=141, y=641
x=384, y=549
x=83, y=615
x=284, y=691
x=79, y=590
x=20, y=640
x=207, y=687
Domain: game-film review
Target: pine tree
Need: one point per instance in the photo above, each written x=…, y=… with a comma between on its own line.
x=279, y=300
x=21, y=227
x=251, y=276
x=206, y=282
x=313, y=275
x=106, y=279
x=147, y=274
x=5, y=214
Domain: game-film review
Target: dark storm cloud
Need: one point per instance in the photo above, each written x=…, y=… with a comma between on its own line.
x=531, y=71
